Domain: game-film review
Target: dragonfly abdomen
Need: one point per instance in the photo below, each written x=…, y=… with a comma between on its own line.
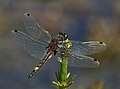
x=41, y=63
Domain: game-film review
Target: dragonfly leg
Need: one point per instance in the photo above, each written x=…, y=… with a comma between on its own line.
x=47, y=47
x=55, y=52
x=59, y=60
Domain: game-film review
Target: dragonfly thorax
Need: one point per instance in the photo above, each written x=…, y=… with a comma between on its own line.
x=63, y=40
x=60, y=44
x=64, y=44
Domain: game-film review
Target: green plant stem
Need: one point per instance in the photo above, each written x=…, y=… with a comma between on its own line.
x=63, y=69
x=63, y=72
x=62, y=75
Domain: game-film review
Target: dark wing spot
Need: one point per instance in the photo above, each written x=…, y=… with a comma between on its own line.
x=15, y=31
x=28, y=14
x=95, y=60
x=101, y=42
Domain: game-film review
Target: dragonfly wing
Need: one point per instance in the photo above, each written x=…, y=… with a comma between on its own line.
x=87, y=48
x=34, y=47
x=82, y=61
x=35, y=30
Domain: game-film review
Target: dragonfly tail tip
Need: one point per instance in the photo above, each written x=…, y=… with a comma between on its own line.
x=29, y=76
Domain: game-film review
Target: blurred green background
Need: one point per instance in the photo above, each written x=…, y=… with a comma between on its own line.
x=82, y=20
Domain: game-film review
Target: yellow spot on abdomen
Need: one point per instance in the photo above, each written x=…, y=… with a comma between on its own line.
x=36, y=68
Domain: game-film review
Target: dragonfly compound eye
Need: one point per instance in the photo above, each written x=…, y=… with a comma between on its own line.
x=62, y=33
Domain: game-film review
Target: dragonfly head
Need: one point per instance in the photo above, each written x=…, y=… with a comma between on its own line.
x=62, y=36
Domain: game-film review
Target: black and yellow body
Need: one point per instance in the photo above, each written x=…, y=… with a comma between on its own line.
x=56, y=46
x=41, y=63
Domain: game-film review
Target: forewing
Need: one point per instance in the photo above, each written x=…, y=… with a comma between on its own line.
x=35, y=30
x=87, y=48
x=34, y=47
x=82, y=61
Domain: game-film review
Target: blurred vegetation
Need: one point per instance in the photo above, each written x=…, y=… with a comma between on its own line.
x=83, y=20
x=98, y=85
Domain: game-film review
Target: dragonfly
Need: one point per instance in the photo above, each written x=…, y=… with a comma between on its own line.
x=40, y=44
